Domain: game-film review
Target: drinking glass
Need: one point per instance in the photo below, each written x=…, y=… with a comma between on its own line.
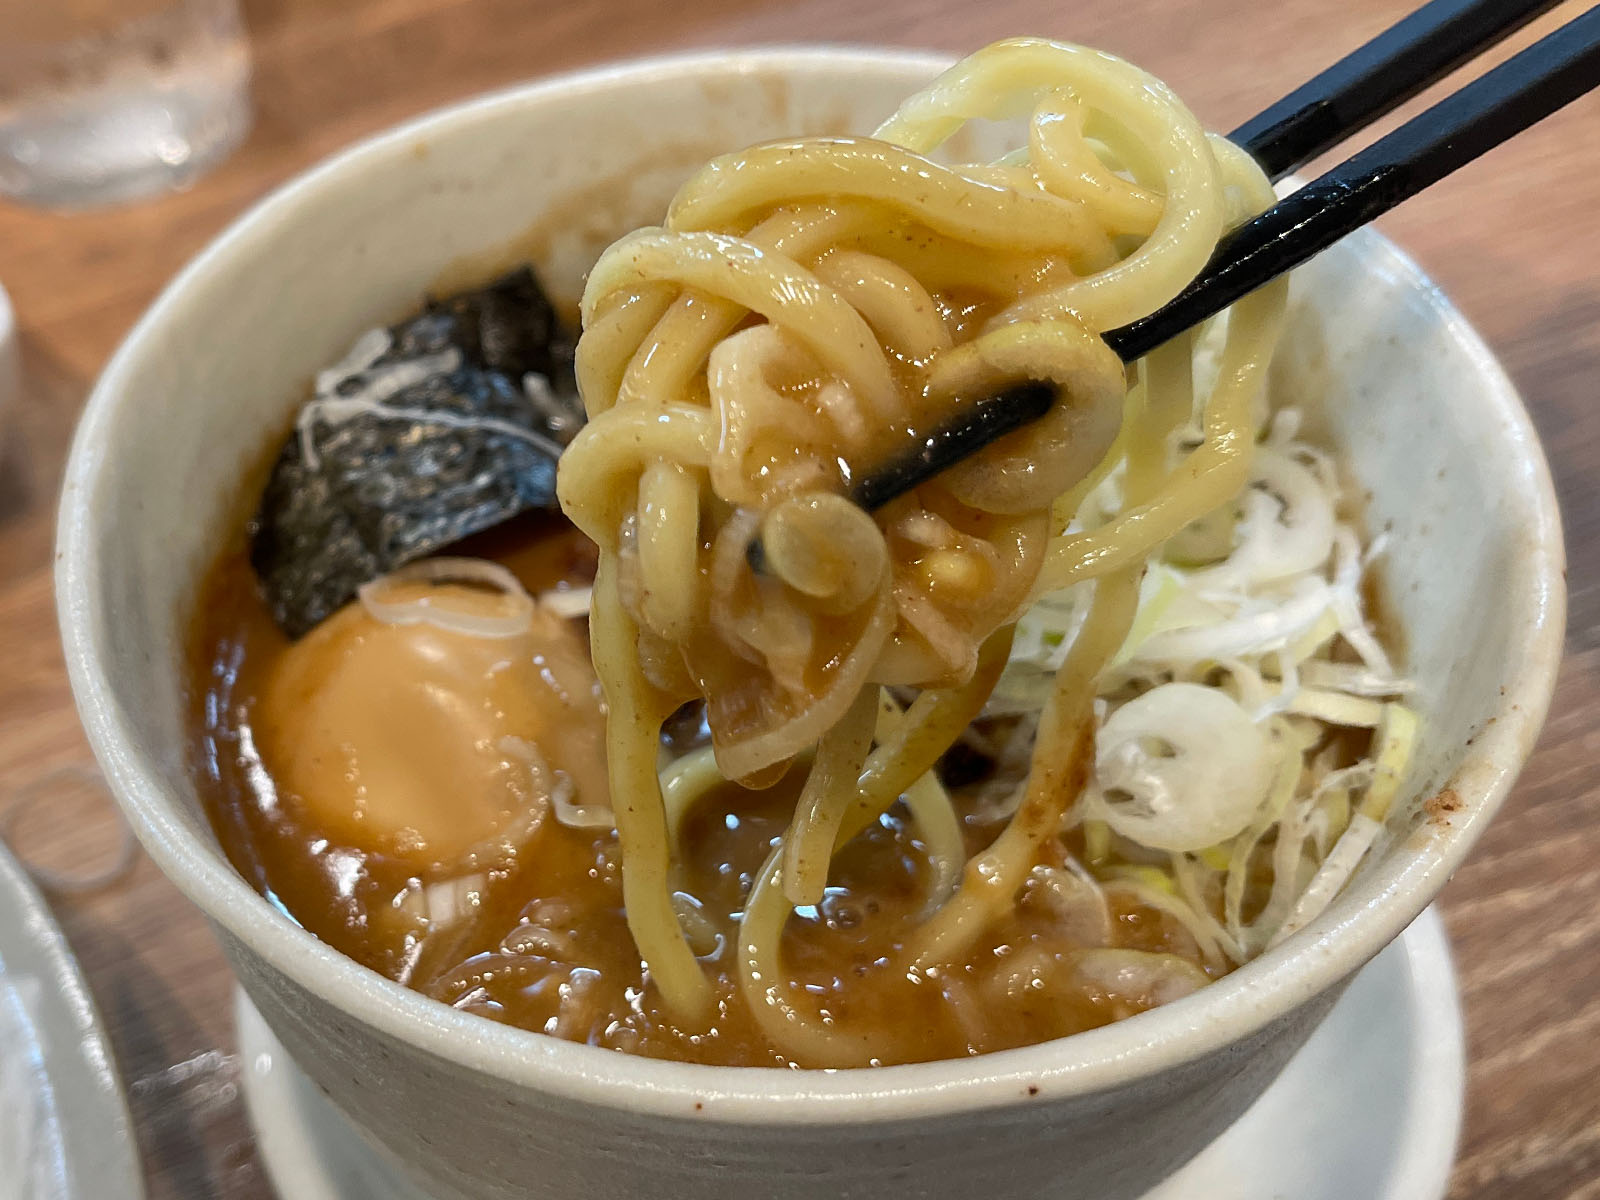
x=110, y=100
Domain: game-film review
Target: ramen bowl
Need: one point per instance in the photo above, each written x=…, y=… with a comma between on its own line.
x=1428, y=426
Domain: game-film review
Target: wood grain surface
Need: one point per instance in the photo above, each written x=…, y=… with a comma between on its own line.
x=1514, y=239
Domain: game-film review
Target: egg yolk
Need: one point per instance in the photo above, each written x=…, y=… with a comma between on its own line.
x=393, y=737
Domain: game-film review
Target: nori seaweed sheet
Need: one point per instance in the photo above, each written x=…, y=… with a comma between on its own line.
x=386, y=491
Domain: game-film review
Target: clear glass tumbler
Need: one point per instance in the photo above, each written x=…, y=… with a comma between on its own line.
x=110, y=100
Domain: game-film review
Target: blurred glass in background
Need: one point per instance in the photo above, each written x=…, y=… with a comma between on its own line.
x=111, y=100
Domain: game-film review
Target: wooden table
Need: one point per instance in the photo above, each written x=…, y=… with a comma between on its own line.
x=1515, y=239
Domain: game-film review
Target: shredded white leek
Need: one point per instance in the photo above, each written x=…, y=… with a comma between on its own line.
x=431, y=609
x=357, y=385
x=1181, y=767
x=557, y=786
x=1250, y=649
x=1397, y=734
x=567, y=603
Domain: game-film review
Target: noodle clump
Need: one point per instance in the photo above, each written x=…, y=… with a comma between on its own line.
x=809, y=310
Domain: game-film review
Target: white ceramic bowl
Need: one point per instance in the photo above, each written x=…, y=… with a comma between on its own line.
x=473, y=1109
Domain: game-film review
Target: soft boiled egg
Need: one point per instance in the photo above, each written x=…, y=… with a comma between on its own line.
x=435, y=715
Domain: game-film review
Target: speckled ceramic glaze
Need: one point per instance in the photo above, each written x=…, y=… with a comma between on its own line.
x=475, y=1110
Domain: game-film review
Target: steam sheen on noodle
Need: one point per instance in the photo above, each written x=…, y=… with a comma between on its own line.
x=809, y=309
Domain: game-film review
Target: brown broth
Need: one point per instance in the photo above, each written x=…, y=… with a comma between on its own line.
x=562, y=889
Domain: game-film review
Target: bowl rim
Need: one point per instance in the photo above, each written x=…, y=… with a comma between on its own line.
x=1228, y=1011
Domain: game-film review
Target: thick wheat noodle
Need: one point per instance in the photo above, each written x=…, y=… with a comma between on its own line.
x=826, y=797
x=808, y=308
x=762, y=281
x=610, y=337
x=992, y=878
x=1065, y=161
x=910, y=751
x=1054, y=781
x=663, y=364
x=636, y=797
x=1216, y=470
x=941, y=198
x=894, y=303
x=669, y=500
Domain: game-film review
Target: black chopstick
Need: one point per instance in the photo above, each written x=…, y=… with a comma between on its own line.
x=981, y=422
x=1498, y=105
x=1525, y=89
x=1415, y=52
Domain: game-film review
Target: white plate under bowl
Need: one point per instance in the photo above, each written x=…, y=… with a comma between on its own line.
x=1369, y=1107
x=64, y=1127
